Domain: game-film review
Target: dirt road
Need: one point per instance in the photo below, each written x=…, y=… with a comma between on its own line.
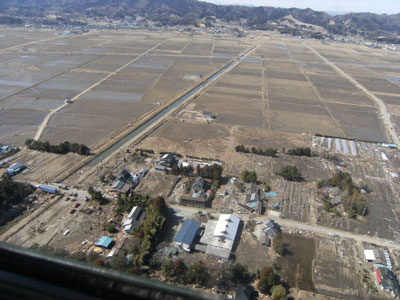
x=320, y=230
x=384, y=116
x=46, y=120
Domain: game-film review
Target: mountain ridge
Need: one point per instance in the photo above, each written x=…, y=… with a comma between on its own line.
x=186, y=12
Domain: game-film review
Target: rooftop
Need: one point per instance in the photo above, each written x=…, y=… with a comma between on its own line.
x=188, y=231
x=227, y=226
x=104, y=242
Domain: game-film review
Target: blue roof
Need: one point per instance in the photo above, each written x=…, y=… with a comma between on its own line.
x=274, y=194
x=188, y=232
x=104, y=241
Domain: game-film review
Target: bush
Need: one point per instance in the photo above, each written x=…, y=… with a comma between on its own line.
x=279, y=292
x=248, y=176
x=291, y=173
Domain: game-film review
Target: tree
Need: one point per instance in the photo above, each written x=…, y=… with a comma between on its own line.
x=279, y=246
x=90, y=190
x=118, y=262
x=263, y=286
x=267, y=280
x=248, y=176
x=279, y=292
x=12, y=192
x=167, y=269
x=179, y=270
x=291, y=173
x=201, y=273
x=328, y=206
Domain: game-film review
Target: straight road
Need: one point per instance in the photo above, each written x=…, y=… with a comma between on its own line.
x=317, y=229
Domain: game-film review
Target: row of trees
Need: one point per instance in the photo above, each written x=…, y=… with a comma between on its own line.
x=185, y=171
x=267, y=152
x=156, y=212
x=62, y=148
x=300, y=152
x=12, y=192
x=213, y=172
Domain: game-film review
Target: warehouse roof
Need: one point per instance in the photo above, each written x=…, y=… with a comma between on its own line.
x=227, y=226
x=188, y=231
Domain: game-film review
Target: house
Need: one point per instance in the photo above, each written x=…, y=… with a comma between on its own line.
x=198, y=184
x=245, y=292
x=187, y=234
x=133, y=219
x=219, y=236
x=200, y=202
x=124, y=176
x=167, y=160
x=104, y=242
x=388, y=280
x=270, y=228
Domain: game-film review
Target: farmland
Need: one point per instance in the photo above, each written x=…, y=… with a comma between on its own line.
x=263, y=92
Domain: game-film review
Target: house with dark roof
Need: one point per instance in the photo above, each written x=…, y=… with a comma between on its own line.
x=245, y=292
x=388, y=280
x=187, y=234
x=167, y=160
x=198, y=185
x=199, y=201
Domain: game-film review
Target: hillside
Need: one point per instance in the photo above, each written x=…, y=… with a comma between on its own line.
x=183, y=12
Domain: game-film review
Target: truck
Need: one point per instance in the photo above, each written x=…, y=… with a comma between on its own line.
x=48, y=189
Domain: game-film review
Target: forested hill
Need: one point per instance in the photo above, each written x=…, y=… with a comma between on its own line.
x=190, y=12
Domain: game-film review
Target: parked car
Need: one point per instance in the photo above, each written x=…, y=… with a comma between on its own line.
x=71, y=211
x=66, y=232
x=76, y=204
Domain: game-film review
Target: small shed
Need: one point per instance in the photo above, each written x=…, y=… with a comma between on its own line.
x=369, y=255
x=104, y=242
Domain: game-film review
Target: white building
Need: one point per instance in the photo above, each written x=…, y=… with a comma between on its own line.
x=219, y=236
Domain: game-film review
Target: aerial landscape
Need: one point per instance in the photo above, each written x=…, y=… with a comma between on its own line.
x=236, y=152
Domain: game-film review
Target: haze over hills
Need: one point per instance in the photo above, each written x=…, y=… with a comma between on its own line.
x=190, y=12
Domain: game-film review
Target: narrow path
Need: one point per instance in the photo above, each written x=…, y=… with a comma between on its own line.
x=46, y=120
x=388, y=126
x=31, y=43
